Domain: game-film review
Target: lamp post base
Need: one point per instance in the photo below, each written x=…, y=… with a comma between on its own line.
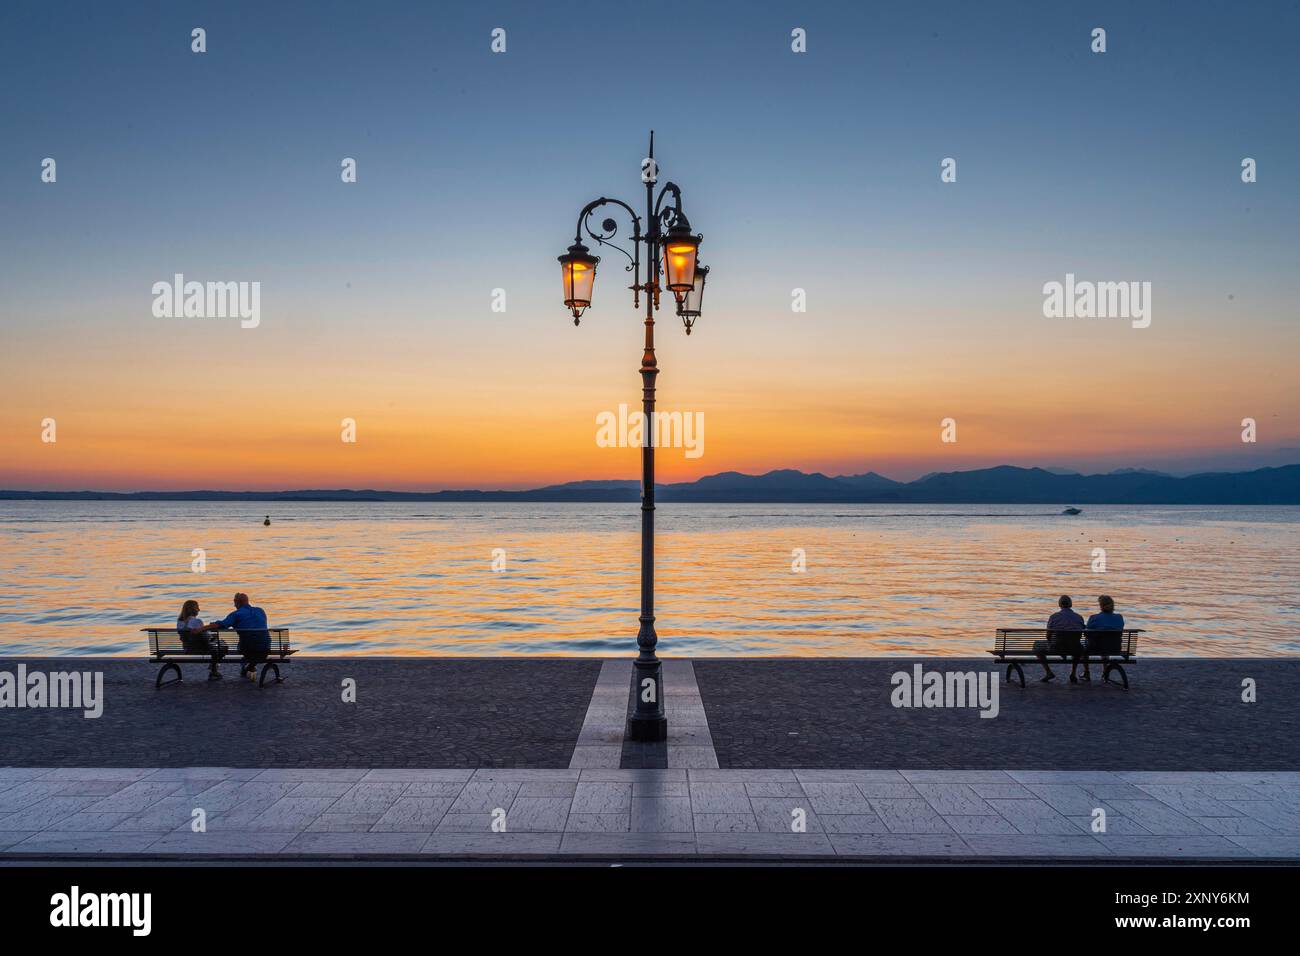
x=647, y=729
x=646, y=720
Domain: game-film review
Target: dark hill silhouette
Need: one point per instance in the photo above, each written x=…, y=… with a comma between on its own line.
x=1005, y=484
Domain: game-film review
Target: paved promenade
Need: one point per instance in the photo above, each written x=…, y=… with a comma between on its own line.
x=516, y=713
x=407, y=713
x=1177, y=715
x=771, y=760
x=619, y=814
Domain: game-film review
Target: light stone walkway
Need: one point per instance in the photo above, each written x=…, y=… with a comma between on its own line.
x=600, y=742
x=609, y=814
x=690, y=745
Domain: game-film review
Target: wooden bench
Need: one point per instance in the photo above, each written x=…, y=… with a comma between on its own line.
x=168, y=649
x=1112, y=649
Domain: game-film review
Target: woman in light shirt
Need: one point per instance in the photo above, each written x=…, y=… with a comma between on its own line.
x=196, y=641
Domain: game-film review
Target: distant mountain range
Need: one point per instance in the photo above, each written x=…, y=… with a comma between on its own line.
x=1001, y=485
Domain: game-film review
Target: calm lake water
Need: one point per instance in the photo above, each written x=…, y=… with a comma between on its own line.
x=413, y=579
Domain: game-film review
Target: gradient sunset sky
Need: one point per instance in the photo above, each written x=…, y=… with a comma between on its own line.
x=818, y=171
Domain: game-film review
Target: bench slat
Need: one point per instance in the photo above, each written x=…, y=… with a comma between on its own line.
x=165, y=642
x=232, y=657
x=1017, y=643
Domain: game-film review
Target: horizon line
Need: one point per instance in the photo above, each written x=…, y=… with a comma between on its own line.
x=1061, y=473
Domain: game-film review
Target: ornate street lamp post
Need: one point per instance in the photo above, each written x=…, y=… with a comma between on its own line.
x=673, y=251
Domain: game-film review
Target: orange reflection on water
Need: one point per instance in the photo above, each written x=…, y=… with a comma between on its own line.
x=416, y=579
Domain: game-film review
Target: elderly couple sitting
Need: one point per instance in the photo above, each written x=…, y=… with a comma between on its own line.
x=1065, y=635
x=249, y=623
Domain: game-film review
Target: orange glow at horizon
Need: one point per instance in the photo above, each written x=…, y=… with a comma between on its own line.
x=488, y=437
x=511, y=401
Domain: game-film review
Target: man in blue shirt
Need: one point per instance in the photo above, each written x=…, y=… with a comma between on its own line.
x=250, y=624
x=1107, y=620
x=1063, y=632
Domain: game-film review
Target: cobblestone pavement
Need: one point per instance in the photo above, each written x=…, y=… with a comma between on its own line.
x=1177, y=715
x=408, y=713
x=857, y=815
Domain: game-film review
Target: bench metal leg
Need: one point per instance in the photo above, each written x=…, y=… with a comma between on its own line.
x=269, y=666
x=1111, y=666
x=159, y=684
x=1019, y=671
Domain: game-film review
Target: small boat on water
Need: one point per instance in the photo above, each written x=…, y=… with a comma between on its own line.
x=1072, y=511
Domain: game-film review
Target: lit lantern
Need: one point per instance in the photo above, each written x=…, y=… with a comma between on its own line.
x=578, y=266
x=680, y=249
x=692, y=303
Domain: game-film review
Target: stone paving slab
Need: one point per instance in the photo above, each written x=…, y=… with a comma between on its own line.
x=624, y=813
x=600, y=741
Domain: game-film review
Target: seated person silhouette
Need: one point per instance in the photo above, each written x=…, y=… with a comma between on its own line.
x=249, y=623
x=1103, y=643
x=1064, y=630
x=195, y=639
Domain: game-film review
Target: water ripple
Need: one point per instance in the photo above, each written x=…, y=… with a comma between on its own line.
x=390, y=578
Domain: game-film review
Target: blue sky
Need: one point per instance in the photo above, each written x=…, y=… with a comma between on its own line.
x=817, y=171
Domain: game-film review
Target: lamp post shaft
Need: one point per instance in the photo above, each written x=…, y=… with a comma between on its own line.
x=668, y=232
x=648, y=721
